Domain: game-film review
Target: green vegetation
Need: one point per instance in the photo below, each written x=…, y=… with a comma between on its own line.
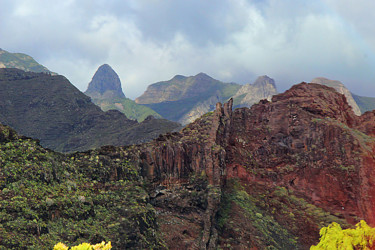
x=21, y=61
x=267, y=231
x=46, y=197
x=334, y=237
x=84, y=246
x=130, y=108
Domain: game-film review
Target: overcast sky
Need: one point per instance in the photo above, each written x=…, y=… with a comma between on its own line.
x=146, y=41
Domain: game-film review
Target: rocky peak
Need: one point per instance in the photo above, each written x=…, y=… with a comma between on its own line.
x=339, y=87
x=263, y=88
x=105, y=84
x=264, y=80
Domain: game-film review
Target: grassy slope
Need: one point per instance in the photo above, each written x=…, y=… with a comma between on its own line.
x=21, y=61
x=130, y=108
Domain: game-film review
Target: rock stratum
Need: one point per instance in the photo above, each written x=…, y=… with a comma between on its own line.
x=276, y=173
x=51, y=109
x=269, y=176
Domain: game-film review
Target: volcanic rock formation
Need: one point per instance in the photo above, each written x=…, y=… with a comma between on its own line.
x=105, y=84
x=301, y=161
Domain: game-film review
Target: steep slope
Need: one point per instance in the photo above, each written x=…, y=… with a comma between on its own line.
x=341, y=89
x=184, y=99
x=266, y=177
x=20, y=61
x=272, y=175
x=105, y=91
x=52, y=110
x=263, y=88
x=364, y=103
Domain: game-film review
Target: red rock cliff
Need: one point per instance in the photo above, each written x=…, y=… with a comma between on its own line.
x=307, y=141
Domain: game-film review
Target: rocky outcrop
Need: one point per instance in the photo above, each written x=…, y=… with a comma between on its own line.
x=51, y=109
x=263, y=88
x=341, y=89
x=300, y=161
x=105, y=84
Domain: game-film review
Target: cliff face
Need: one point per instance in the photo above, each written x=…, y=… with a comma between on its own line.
x=300, y=162
x=266, y=177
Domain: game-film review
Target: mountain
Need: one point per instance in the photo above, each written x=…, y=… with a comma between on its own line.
x=271, y=176
x=105, y=84
x=185, y=99
x=341, y=89
x=364, y=103
x=265, y=177
x=263, y=88
x=52, y=110
x=106, y=92
x=21, y=61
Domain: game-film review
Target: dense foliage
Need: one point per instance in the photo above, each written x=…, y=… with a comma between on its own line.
x=334, y=237
x=47, y=198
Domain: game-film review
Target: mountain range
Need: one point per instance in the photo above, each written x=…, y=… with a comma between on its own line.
x=265, y=177
x=105, y=91
x=52, y=110
x=184, y=99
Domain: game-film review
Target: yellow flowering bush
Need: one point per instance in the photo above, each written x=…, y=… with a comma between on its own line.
x=84, y=246
x=333, y=237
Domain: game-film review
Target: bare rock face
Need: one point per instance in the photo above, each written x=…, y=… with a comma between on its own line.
x=263, y=88
x=341, y=89
x=105, y=84
x=281, y=170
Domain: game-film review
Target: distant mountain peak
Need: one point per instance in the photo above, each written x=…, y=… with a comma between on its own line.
x=262, y=80
x=105, y=84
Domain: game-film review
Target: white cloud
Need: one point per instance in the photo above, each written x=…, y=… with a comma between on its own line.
x=150, y=41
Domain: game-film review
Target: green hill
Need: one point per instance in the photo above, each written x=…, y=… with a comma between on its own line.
x=21, y=61
x=130, y=108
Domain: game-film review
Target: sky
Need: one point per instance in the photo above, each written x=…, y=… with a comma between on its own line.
x=146, y=41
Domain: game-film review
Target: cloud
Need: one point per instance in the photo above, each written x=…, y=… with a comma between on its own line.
x=231, y=40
